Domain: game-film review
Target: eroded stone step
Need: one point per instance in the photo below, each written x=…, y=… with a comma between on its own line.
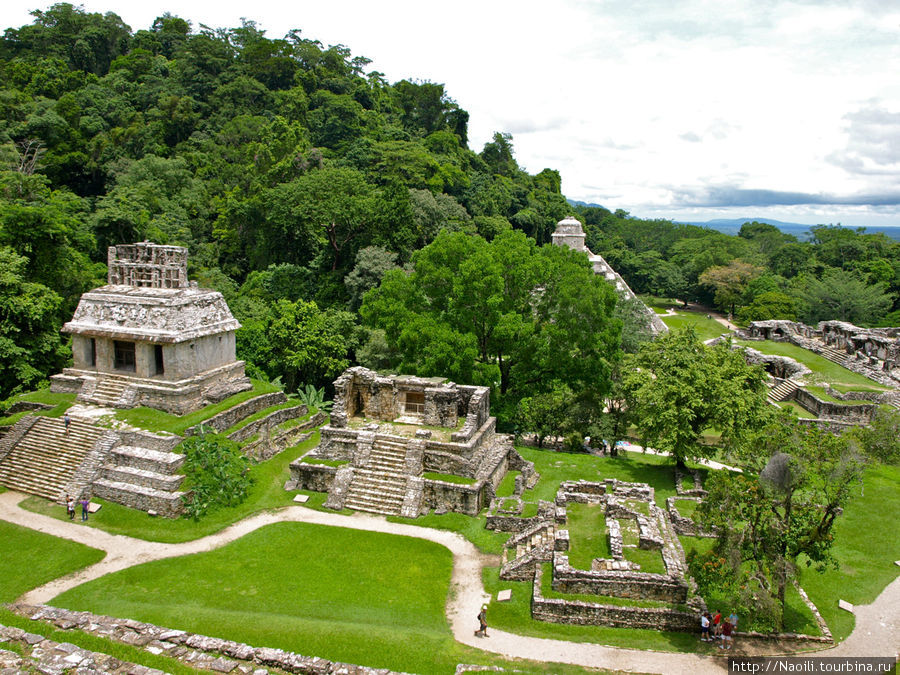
x=142, y=477
x=149, y=460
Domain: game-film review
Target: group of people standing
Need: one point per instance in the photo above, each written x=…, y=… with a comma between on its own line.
x=714, y=627
x=85, y=507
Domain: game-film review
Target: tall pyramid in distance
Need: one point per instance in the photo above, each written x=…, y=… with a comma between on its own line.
x=570, y=233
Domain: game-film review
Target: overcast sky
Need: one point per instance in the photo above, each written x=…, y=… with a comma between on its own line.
x=688, y=110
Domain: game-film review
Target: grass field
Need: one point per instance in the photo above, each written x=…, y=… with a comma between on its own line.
x=864, y=549
x=555, y=467
x=60, y=403
x=31, y=559
x=587, y=534
x=706, y=328
x=823, y=369
x=359, y=597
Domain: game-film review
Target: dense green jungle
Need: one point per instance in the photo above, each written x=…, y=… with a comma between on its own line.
x=345, y=218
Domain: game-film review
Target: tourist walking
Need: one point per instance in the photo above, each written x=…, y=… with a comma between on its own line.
x=70, y=507
x=85, y=503
x=704, y=627
x=482, y=622
x=67, y=421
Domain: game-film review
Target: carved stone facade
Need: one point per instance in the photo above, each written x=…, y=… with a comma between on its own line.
x=570, y=233
x=152, y=338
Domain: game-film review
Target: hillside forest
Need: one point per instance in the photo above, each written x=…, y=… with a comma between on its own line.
x=345, y=218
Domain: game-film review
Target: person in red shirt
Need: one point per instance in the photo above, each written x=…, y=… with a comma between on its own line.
x=717, y=624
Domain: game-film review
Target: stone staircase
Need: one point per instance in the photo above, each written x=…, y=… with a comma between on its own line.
x=526, y=550
x=45, y=459
x=782, y=391
x=835, y=356
x=380, y=486
x=142, y=478
x=108, y=391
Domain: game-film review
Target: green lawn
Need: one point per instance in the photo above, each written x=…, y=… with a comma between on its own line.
x=826, y=370
x=587, y=534
x=864, y=548
x=366, y=598
x=60, y=403
x=686, y=507
x=157, y=420
x=266, y=492
x=508, y=485
x=821, y=394
x=796, y=408
x=31, y=559
x=470, y=527
x=556, y=467
x=706, y=328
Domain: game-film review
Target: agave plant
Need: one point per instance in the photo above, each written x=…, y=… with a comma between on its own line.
x=314, y=398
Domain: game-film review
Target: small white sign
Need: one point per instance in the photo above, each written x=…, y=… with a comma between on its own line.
x=301, y=499
x=504, y=595
x=93, y=508
x=843, y=604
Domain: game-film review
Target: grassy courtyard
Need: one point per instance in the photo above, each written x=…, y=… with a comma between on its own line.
x=360, y=597
x=822, y=369
x=707, y=329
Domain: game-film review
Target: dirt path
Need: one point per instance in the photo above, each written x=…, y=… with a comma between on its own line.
x=880, y=621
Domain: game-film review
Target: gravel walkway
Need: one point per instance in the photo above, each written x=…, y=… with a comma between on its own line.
x=878, y=625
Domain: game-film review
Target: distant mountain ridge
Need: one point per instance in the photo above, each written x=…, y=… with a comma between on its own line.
x=733, y=225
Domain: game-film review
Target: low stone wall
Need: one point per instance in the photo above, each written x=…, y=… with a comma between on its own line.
x=149, y=440
x=595, y=614
x=682, y=524
x=447, y=462
x=271, y=420
x=315, y=477
x=168, y=505
x=337, y=443
x=196, y=651
x=228, y=418
x=857, y=414
x=622, y=584
x=26, y=406
x=503, y=522
x=267, y=447
x=445, y=497
x=783, y=367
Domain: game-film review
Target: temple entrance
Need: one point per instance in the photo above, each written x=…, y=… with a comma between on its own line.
x=414, y=403
x=123, y=355
x=158, y=360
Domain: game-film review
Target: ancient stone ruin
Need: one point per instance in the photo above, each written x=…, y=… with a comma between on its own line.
x=871, y=352
x=541, y=546
x=151, y=338
x=570, y=233
x=400, y=445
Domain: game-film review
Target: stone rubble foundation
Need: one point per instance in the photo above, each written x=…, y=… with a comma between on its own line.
x=197, y=651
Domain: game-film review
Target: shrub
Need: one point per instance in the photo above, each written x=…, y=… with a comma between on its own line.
x=216, y=473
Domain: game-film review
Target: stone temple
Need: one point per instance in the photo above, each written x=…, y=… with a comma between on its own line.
x=401, y=445
x=570, y=233
x=152, y=338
